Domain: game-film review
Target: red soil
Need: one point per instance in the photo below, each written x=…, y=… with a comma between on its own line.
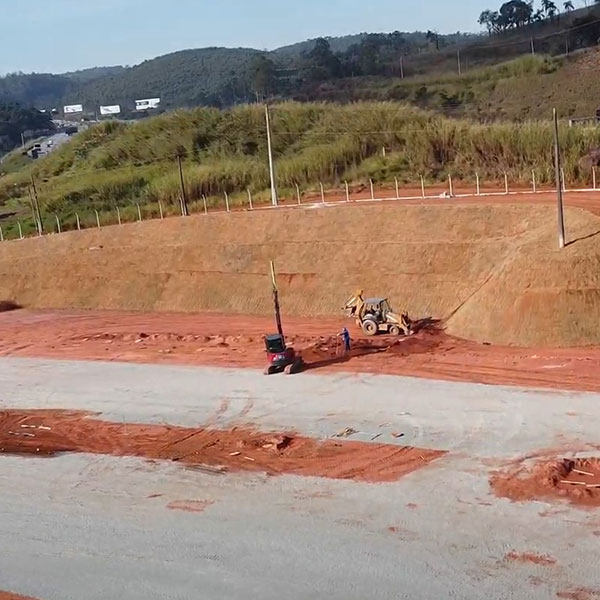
x=9, y=596
x=530, y=557
x=48, y=432
x=236, y=341
x=575, y=480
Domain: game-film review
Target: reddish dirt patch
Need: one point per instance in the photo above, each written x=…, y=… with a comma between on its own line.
x=194, y=506
x=579, y=593
x=214, y=339
x=48, y=432
x=530, y=557
x=10, y=596
x=575, y=480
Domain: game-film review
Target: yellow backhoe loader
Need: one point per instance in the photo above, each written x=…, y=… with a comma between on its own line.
x=375, y=315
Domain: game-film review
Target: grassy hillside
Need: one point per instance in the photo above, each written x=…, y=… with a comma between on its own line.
x=115, y=164
x=518, y=90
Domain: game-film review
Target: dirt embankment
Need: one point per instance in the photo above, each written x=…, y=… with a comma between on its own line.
x=48, y=432
x=491, y=270
x=11, y=596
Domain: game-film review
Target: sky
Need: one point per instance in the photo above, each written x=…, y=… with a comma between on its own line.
x=62, y=35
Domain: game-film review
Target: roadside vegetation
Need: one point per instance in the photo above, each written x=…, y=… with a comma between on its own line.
x=115, y=164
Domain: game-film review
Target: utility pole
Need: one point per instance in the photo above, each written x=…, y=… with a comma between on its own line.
x=559, y=185
x=184, y=201
x=459, y=65
x=37, y=207
x=274, y=199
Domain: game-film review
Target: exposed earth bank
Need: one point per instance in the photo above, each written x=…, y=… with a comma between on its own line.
x=491, y=271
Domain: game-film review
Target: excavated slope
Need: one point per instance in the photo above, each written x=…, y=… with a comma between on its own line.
x=492, y=271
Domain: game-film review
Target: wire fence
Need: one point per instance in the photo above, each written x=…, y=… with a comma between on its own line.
x=43, y=223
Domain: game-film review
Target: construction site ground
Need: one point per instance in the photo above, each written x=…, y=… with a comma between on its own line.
x=106, y=522
x=237, y=341
x=143, y=454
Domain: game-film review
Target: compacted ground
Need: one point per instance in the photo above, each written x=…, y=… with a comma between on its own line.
x=237, y=341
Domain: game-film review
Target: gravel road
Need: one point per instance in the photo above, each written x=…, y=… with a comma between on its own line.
x=81, y=527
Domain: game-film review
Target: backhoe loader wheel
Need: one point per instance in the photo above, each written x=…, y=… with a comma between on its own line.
x=370, y=327
x=395, y=330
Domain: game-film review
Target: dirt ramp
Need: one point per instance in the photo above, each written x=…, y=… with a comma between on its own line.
x=539, y=294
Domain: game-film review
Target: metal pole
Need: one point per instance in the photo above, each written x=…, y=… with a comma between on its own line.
x=57, y=225
x=139, y=213
x=20, y=230
x=276, y=300
x=506, y=183
x=347, y=192
x=160, y=210
x=205, y=206
x=226, y=201
x=478, y=184
x=37, y=207
x=559, y=190
x=397, y=188
x=533, y=181
x=184, y=200
x=33, y=211
x=250, y=199
x=118, y=215
x=322, y=193
x=422, y=186
x=274, y=199
x=298, y=194
x=97, y=219
x=78, y=221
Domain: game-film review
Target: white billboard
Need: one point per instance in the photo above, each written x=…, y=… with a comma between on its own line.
x=115, y=109
x=72, y=109
x=147, y=104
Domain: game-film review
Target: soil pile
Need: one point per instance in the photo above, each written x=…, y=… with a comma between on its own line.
x=48, y=432
x=492, y=271
x=576, y=480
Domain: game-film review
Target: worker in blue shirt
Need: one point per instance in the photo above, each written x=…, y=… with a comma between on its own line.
x=345, y=335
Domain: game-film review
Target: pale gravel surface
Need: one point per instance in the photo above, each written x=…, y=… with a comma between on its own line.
x=84, y=528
